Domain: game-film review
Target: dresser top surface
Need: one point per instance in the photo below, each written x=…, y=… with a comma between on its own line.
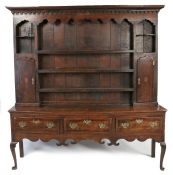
x=71, y=110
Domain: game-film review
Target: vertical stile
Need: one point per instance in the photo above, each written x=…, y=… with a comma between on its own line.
x=37, y=64
x=134, y=63
x=156, y=60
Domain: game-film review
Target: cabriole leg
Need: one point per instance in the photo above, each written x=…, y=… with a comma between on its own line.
x=153, y=147
x=21, y=148
x=12, y=147
x=163, y=149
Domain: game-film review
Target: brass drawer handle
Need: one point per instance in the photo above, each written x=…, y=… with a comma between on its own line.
x=125, y=125
x=50, y=125
x=22, y=124
x=36, y=122
x=154, y=124
x=87, y=122
x=102, y=125
x=139, y=121
x=73, y=125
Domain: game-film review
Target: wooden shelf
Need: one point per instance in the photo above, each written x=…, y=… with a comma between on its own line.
x=29, y=37
x=25, y=55
x=146, y=35
x=147, y=52
x=69, y=52
x=71, y=90
x=104, y=103
x=83, y=70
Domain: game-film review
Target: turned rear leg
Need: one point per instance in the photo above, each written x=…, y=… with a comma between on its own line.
x=153, y=147
x=21, y=148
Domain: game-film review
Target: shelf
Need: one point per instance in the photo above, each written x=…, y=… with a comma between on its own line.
x=104, y=103
x=25, y=55
x=146, y=35
x=29, y=37
x=69, y=52
x=71, y=90
x=147, y=52
x=83, y=70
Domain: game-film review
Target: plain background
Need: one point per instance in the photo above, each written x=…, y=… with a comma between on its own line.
x=86, y=157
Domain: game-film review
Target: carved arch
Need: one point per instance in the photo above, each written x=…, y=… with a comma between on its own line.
x=113, y=20
x=24, y=28
x=127, y=23
x=45, y=34
x=145, y=32
x=148, y=26
x=42, y=22
x=126, y=35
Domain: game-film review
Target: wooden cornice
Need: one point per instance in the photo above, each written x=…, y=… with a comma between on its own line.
x=107, y=9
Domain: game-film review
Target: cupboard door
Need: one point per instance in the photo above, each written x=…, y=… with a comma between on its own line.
x=25, y=80
x=145, y=79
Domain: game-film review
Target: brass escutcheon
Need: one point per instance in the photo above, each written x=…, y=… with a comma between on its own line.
x=139, y=121
x=36, y=121
x=139, y=81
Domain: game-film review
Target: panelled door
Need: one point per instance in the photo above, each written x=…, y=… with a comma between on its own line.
x=145, y=79
x=25, y=80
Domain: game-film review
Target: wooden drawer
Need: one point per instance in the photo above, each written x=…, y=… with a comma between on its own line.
x=139, y=125
x=93, y=125
x=33, y=124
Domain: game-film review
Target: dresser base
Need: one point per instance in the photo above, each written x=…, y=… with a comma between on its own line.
x=74, y=125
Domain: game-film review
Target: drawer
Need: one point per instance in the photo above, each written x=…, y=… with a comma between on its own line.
x=139, y=125
x=93, y=125
x=33, y=124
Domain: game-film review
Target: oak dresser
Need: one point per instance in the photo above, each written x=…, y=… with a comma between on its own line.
x=86, y=72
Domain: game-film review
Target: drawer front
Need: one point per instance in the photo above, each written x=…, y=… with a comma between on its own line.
x=139, y=125
x=94, y=125
x=33, y=124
